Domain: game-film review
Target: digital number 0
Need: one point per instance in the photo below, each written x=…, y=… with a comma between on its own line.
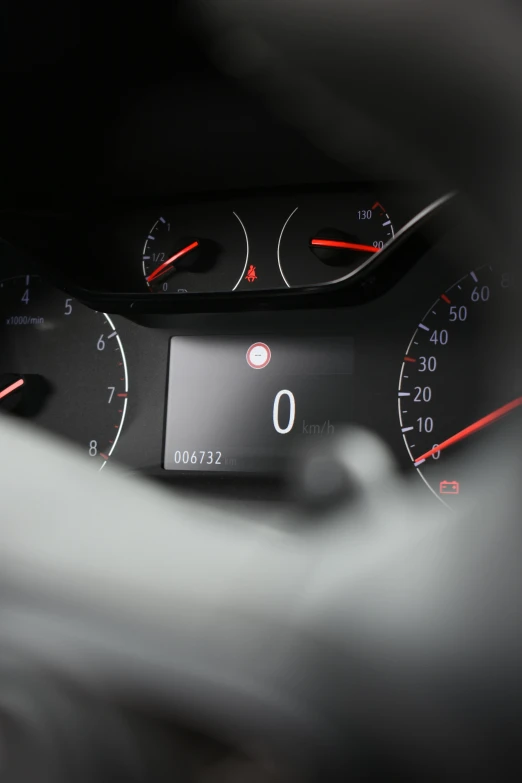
x=291, y=416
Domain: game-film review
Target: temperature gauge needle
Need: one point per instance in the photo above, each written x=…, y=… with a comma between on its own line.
x=166, y=265
x=467, y=431
x=319, y=242
x=11, y=388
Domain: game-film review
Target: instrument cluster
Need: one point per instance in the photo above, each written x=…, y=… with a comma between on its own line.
x=224, y=394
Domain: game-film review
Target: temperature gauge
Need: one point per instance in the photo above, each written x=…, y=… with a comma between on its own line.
x=321, y=243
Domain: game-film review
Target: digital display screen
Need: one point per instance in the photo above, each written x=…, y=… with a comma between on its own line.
x=243, y=404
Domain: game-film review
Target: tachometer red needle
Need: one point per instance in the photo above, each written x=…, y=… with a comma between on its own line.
x=343, y=245
x=11, y=388
x=478, y=425
x=166, y=264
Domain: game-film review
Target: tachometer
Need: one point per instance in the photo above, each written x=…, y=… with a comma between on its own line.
x=62, y=366
x=443, y=399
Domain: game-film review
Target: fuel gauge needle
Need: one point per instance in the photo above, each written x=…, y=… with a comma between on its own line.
x=475, y=427
x=11, y=388
x=166, y=265
x=320, y=242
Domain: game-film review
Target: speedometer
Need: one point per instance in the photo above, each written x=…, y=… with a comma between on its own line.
x=444, y=402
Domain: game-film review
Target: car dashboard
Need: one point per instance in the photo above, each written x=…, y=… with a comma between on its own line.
x=292, y=317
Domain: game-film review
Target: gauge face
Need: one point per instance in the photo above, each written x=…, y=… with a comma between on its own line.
x=444, y=403
x=62, y=366
x=191, y=253
x=320, y=243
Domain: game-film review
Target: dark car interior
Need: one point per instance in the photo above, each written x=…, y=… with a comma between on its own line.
x=260, y=391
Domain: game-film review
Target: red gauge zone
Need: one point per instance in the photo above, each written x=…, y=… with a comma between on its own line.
x=445, y=397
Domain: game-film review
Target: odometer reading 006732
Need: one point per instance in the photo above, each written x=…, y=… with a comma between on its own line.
x=442, y=398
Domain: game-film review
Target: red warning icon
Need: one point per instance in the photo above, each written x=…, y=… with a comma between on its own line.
x=251, y=274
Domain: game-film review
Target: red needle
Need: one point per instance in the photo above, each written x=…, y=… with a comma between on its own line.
x=10, y=389
x=164, y=266
x=478, y=425
x=344, y=245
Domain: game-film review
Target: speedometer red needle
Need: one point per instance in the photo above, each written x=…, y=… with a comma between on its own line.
x=168, y=263
x=11, y=388
x=343, y=245
x=467, y=431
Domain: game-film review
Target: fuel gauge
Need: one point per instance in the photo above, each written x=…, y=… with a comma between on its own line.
x=195, y=253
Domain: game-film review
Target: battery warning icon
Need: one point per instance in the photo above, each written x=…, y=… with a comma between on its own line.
x=449, y=488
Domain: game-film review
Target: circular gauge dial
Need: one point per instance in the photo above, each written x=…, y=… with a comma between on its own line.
x=444, y=401
x=195, y=254
x=62, y=366
x=320, y=243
